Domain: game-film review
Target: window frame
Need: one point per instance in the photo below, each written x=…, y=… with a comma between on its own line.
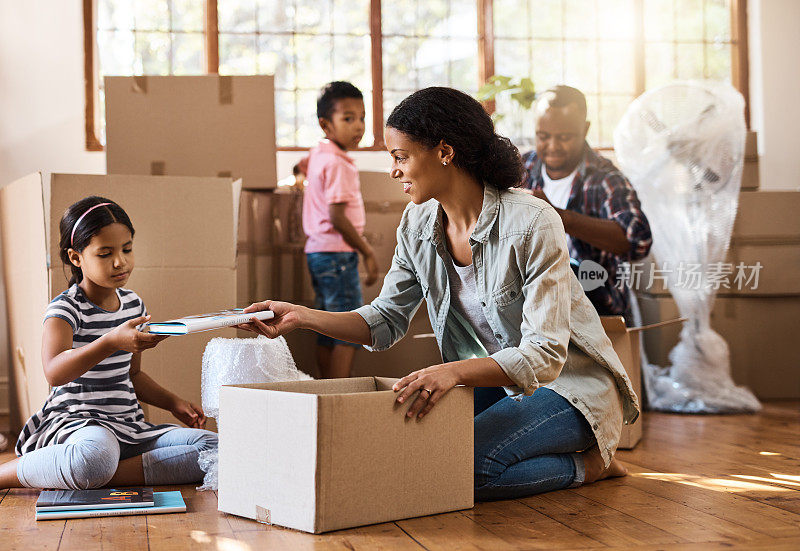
x=485, y=37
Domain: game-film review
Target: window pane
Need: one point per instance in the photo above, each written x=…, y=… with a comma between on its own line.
x=659, y=59
x=548, y=67
x=187, y=15
x=237, y=54
x=399, y=17
x=236, y=16
x=308, y=130
x=114, y=15
x=187, y=54
x=431, y=61
x=116, y=51
x=313, y=54
x=276, y=57
x=611, y=109
x=718, y=21
x=718, y=61
x=580, y=66
x=616, y=19
x=284, y=118
x=690, y=61
x=399, y=72
x=352, y=61
x=152, y=53
x=313, y=17
x=351, y=16
x=512, y=58
x=659, y=20
x=511, y=19
x=463, y=64
x=275, y=15
x=580, y=20
x=151, y=15
x=690, y=25
x=546, y=18
x=616, y=68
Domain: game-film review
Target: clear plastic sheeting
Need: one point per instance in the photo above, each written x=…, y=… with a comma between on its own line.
x=240, y=361
x=682, y=147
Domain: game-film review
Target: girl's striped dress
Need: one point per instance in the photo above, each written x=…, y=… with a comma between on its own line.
x=104, y=395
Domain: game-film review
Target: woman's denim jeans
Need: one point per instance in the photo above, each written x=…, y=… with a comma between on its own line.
x=528, y=446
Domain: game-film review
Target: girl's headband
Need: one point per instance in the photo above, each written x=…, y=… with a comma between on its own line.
x=78, y=221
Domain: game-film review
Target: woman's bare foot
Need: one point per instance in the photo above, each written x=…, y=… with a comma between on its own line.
x=594, y=464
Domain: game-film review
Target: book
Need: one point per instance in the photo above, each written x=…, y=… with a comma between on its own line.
x=206, y=322
x=105, y=498
x=164, y=502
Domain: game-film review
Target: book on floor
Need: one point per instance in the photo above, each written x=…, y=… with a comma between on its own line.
x=164, y=502
x=104, y=498
x=206, y=322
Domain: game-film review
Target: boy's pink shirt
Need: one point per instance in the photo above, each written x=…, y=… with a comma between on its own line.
x=332, y=177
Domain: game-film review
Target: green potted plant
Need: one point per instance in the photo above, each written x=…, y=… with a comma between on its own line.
x=513, y=99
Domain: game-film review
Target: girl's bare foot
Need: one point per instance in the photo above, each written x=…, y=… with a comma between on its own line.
x=594, y=465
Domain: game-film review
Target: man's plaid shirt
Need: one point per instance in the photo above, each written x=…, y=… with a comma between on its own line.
x=600, y=190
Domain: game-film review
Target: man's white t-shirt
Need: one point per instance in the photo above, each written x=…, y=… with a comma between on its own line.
x=557, y=191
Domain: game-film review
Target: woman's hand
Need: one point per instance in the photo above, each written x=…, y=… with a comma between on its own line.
x=287, y=318
x=189, y=414
x=128, y=338
x=432, y=383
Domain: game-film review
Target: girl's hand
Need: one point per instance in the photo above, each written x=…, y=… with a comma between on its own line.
x=189, y=414
x=432, y=383
x=287, y=318
x=127, y=337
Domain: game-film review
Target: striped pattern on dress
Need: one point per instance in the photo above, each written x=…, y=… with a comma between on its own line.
x=104, y=395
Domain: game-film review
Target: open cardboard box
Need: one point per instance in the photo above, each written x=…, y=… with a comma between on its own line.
x=207, y=125
x=173, y=274
x=625, y=341
x=328, y=454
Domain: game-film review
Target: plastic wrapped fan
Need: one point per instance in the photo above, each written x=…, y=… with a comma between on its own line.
x=243, y=361
x=682, y=147
x=240, y=361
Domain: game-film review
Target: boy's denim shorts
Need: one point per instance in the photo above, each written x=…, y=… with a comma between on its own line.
x=336, y=286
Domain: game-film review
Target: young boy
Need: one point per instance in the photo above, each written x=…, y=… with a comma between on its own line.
x=333, y=219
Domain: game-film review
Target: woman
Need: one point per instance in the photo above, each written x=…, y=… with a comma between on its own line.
x=492, y=265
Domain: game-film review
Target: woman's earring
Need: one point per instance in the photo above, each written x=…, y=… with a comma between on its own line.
x=444, y=163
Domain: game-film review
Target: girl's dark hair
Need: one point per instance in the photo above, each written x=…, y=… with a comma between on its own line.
x=89, y=226
x=436, y=114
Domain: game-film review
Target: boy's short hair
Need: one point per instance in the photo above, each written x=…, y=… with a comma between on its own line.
x=333, y=91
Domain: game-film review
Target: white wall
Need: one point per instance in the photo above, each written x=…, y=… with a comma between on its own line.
x=775, y=89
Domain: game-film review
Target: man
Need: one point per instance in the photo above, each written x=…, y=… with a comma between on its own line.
x=599, y=208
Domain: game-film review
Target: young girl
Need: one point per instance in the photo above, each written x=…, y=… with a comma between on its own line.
x=91, y=430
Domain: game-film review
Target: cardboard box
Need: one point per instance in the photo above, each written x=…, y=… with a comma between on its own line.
x=766, y=231
x=625, y=341
x=330, y=454
x=206, y=125
x=185, y=264
x=760, y=332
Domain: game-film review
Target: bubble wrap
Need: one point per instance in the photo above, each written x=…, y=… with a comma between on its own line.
x=243, y=361
x=240, y=361
x=682, y=147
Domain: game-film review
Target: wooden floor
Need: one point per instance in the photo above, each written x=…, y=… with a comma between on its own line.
x=696, y=482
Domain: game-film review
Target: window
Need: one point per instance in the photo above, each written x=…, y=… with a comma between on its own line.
x=611, y=49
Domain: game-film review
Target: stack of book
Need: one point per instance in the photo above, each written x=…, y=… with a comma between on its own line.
x=106, y=502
